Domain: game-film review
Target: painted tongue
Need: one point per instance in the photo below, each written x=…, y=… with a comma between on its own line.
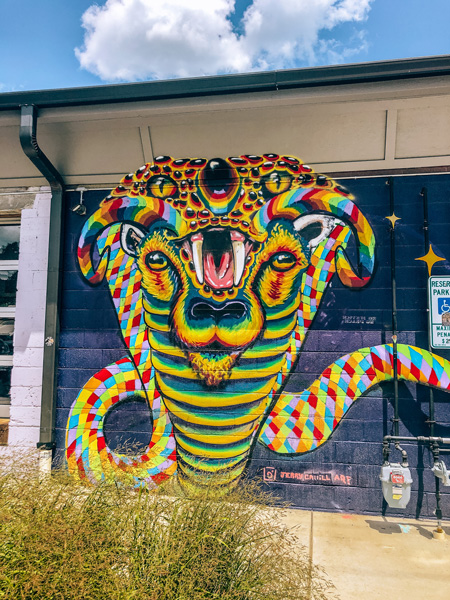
x=221, y=276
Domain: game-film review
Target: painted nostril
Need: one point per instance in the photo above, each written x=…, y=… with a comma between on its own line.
x=205, y=310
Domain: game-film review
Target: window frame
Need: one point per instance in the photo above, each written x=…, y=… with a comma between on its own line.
x=8, y=312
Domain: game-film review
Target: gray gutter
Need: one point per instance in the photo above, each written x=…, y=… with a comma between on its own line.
x=232, y=84
x=28, y=140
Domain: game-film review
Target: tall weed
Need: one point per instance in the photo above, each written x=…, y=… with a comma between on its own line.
x=62, y=541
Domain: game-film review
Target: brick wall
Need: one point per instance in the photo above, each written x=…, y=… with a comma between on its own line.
x=343, y=473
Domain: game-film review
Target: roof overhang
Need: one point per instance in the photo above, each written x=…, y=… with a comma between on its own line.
x=337, y=75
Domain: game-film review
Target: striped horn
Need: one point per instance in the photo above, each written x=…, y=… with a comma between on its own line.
x=141, y=210
x=298, y=202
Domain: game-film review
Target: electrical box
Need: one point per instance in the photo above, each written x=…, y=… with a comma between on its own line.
x=396, y=481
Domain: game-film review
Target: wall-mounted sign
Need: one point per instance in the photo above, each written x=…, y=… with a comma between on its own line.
x=439, y=313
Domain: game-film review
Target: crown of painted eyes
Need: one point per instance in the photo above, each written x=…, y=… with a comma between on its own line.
x=219, y=191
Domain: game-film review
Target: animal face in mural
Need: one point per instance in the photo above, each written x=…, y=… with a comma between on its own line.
x=216, y=269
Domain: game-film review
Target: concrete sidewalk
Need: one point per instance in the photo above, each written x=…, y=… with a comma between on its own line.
x=373, y=558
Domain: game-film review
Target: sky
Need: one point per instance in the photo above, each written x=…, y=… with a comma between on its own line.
x=48, y=44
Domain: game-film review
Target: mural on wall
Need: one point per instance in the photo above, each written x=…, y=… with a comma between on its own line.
x=216, y=269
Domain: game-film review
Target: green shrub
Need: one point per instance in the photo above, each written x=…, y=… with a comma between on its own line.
x=62, y=541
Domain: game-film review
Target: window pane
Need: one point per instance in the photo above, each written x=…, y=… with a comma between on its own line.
x=9, y=242
x=5, y=383
x=6, y=337
x=8, y=287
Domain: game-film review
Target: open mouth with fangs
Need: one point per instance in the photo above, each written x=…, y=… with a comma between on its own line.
x=219, y=256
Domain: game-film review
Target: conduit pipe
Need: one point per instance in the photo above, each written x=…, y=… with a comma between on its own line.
x=420, y=438
x=28, y=141
x=396, y=418
x=431, y=415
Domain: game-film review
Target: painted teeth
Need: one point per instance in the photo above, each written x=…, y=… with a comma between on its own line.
x=239, y=257
x=239, y=260
x=197, y=258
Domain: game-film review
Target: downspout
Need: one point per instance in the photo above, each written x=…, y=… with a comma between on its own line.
x=28, y=126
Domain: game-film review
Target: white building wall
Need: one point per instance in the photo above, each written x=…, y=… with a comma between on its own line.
x=26, y=378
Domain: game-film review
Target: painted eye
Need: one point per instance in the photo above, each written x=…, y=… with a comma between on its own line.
x=283, y=261
x=162, y=187
x=277, y=183
x=156, y=261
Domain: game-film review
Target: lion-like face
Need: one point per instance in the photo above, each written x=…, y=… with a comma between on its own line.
x=219, y=286
x=222, y=277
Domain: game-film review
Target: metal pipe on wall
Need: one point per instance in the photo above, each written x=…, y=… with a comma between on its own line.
x=431, y=415
x=30, y=146
x=419, y=438
x=396, y=419
x=426, y=236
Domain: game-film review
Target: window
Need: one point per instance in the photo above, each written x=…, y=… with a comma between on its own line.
x=9, y=263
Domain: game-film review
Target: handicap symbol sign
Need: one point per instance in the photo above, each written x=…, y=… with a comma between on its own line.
x=443, y=306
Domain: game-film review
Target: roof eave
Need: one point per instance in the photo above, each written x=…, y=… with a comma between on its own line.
x=231, y=84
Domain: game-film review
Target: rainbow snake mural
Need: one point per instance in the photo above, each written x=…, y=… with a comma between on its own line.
x=216, y=269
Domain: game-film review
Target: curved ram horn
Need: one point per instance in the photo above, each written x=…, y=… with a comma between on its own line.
x=139, y=209
x=328, y=224
x=292, y=205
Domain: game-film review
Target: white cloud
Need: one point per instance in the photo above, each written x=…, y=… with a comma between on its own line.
x=128, y=40
x=11, y=87
x=282, y=33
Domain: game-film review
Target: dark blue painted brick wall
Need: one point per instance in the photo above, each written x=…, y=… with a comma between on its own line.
x=343, y=474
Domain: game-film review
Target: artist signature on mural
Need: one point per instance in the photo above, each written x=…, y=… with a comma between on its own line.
x=358, y=320
x=271, y=474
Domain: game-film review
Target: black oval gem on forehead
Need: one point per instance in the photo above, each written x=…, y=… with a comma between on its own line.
x=216, y=175
x=197, y=162
x=237, y=160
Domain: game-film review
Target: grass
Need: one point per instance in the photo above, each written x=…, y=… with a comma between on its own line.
x=62, y=541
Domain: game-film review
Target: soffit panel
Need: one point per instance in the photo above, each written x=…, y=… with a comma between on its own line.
x=102, y=148
x=423, y=131
x=326, y=126
x=314, y=135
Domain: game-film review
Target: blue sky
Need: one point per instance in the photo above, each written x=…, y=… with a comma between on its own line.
x=138, y=40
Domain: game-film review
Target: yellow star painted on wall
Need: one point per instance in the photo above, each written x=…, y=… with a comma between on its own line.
x=431, y=259
x=393, y=219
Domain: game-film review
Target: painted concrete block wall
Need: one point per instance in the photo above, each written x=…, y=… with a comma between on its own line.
x=26, y=377
x=342, y=474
